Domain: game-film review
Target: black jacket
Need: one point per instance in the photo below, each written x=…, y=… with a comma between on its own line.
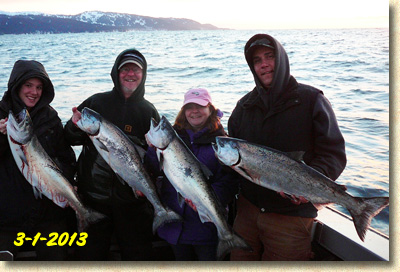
x=96, y=180
x=19, y=209
x=288, y=116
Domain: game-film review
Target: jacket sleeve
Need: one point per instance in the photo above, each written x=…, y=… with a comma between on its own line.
x=65, y=155
x=329, y=145
x=3, y=138
x=233, y=122
x=226, y=185
x=151, y=163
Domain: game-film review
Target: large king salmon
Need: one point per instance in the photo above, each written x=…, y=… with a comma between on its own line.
x=124, y=158
x=41, y=171
x=189, y=177
x=283, y=172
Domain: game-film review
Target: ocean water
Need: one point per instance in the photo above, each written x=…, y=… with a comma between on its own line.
x=350, y=66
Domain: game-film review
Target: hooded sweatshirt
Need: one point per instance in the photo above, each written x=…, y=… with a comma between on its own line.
x=96, y=180
x=287, y=116
x=19, y=209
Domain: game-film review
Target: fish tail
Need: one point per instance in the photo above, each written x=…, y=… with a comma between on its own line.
x=226, y=245
x=90, y=216
x=364, y=212
x=165, y=216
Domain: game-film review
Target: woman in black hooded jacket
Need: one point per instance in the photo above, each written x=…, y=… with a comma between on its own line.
x=30, y=87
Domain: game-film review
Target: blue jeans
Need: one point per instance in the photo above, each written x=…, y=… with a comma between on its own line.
x=186, y=252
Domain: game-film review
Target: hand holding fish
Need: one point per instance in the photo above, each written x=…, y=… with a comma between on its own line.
x=76, y=115
x=3, y=126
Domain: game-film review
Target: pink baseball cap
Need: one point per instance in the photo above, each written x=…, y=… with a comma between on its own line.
x=198, y=96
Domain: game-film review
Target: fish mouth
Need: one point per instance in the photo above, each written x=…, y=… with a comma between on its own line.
x=154, y=123
x=90, y=122
x=20, y=127
x=215, y=147
x=218, y=146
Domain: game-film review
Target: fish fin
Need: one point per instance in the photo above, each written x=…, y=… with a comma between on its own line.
x=181, y=200
x=207, y=172
x=141, y=151
x=89, y=216
x=204, y=217
x=225, y=246
x=160, y=158
x=370, y=207
x=165, y=216
x=37, y=193
x=296, y=155
x=135, y=193
x=120, y=179
x=23, y=158
x=101, y=145
x=55, y=168
x=243, y=172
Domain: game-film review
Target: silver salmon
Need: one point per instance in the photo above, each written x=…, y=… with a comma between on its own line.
x=284, y=172
x=42, y=172
x=189, y=177
x=125, y=159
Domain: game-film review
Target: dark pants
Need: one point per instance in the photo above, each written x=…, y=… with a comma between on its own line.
x=43, y=252
x=194, y=252
x=273, y=237
x=130, y=224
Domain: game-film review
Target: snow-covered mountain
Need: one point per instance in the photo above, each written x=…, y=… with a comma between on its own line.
x=91, y=21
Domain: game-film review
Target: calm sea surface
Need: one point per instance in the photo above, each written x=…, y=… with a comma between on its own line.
x=351, y=67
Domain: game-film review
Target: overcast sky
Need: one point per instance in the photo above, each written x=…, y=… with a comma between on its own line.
x=246, y=14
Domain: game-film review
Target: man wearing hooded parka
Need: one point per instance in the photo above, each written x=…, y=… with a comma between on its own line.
x=129, y=218
x=288, y=116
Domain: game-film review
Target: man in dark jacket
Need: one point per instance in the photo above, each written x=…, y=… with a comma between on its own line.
x=30, y=87
x=288, y=116
x=129, y=219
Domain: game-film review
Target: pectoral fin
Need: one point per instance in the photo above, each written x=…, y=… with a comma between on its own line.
x=181, y=200
x=101, y=145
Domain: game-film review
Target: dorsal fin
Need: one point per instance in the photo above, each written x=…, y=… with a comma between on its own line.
x=296, y=155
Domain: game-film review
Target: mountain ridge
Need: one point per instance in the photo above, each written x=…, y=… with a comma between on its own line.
x=91, y=21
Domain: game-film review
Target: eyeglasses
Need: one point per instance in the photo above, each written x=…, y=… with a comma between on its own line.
x=125, y=70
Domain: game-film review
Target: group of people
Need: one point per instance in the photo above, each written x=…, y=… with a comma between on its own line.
x=279, y=113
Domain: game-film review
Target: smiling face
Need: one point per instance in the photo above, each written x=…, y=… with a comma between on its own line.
x=130, y=76
x=30, y=92
x=264, y=65
x=197, y=115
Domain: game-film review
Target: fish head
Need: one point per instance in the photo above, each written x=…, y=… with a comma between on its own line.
x=160, y=134
x=227, y=150
x=20, y=127
x=90, y=121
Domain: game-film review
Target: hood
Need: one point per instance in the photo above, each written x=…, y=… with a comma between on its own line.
x=140, y=91
x=22, y=71
x=282, y=79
